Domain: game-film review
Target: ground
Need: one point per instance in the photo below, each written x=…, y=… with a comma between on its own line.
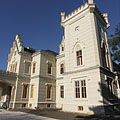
x=45, y=114
x=16, y=115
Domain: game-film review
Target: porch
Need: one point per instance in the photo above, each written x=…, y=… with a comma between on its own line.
x=7, y=84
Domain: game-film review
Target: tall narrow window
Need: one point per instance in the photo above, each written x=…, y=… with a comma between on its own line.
x=103, y=50
x=49, y=68
x=79, y=57
x=25, y=91
x=77, y=89
x=32, y=90
x=34, y=65
x=62, y=48
x=27, y=67
x=61, y=68
x=83, y=88
x=49, y=88
x=62, y=91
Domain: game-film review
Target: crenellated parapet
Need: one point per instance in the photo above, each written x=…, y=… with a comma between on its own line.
x=72, y=14
x=91, y=6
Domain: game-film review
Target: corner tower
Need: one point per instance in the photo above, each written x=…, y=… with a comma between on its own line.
x=85, y=63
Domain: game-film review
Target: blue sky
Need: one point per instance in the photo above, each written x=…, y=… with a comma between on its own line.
x=38, y=22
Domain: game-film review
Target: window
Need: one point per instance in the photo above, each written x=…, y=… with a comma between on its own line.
x=103, y=50
x=80, y=84
x=48, y=105
x=30, y=105
x=34, y=64
x=62, y=48
x=80, y=108
x=49, y=68
x=27, y=67
x=32, y=90
x=77, y=89
x=79, y=57
x=25, y=91
x=83, y=88
x=15, y=67
x=119, y=82
x=23, y=105
x=61, y=68
x=62, y=91
x=49, y=88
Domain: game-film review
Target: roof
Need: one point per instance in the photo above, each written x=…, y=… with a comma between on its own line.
x=29, y=50
x=51, y=52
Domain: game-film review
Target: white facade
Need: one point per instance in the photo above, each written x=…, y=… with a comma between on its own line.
x=78, y=79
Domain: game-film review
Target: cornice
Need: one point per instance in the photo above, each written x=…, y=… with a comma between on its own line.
x=82, y=70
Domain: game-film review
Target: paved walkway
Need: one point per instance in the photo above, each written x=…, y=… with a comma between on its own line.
x=11, y=115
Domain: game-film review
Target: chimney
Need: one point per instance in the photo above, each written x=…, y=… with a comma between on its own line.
x=91, y=1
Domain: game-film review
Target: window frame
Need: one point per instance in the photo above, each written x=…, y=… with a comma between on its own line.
x=62, y=68
x=80, y=56
x=32, y=91
x=27, y=91
x=25, y=68
x=62, y=92
x=49, y=98
x=80, y=93
x=77, y=89
x=83, y=91
x=34, y=68
x=49, y=73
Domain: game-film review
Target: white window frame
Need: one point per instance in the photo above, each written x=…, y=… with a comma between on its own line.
x=27, y=94
x=25, y=61
x=51, y=94
x=80, y=89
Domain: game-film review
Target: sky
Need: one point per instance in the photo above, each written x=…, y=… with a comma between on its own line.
x=38, y=22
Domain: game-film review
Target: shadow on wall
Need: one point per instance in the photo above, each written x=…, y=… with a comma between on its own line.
x=110, y=100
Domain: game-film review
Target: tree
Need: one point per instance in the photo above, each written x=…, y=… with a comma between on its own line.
x=114, y=42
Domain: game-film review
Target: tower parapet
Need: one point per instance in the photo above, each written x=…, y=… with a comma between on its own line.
x=72, y=14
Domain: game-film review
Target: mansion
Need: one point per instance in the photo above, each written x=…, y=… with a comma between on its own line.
x=78, y=79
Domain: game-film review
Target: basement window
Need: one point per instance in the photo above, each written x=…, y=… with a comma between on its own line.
x=80, y=108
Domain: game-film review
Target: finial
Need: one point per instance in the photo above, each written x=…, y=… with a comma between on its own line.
x=83, y=1
x=62, y=16
x=18, y=38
